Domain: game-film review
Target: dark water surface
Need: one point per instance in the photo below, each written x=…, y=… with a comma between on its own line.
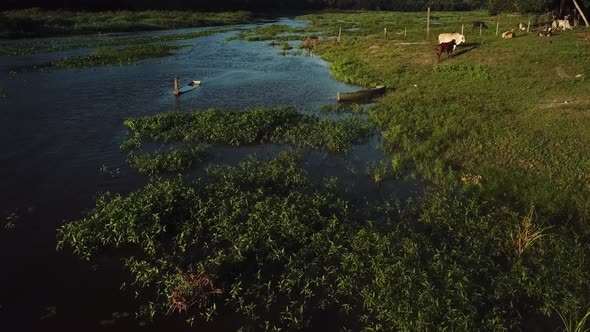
x=57, y=128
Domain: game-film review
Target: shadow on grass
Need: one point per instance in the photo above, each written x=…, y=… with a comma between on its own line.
x=466, y=47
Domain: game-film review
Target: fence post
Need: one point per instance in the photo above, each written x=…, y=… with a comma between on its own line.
x=497, y=28
x=528, y=27
x=428, y=23
x=176, y=93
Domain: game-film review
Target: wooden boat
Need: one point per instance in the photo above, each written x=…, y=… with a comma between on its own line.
x=361, y=94
x=186, y=88
x=191, y=86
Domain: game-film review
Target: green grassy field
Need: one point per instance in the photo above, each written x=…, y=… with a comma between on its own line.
x=513, y=111
x=499, y=241
x=42, y=23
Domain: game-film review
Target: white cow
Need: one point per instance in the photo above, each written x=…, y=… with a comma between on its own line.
x=562, y=24
x=447, y=37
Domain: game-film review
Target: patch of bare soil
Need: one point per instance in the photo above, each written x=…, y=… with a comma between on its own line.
x=408, y=43
x=566, y=105
x=561, y=72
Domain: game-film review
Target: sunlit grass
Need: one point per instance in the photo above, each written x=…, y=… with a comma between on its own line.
x=512, y=111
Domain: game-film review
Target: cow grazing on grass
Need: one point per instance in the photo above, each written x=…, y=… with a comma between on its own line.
x=445, y=48
x=562, y=24
x=508, y=34
x=479, y=24
x=545, y=33
x=447, y=37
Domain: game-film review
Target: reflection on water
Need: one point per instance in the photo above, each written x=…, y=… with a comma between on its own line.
x=57, y=128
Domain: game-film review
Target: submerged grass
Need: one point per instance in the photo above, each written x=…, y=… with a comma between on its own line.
x=116, y=56
x=175, y=160
x=43, y=23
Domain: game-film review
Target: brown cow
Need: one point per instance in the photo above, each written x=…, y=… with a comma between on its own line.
x=445, y=48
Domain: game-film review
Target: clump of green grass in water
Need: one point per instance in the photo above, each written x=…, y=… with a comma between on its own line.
x=286, y=47
x=174, y=161
x=264, y=240
x=43, y=23
x=380, y=171
x=283, y=125
x=48, y=46
x=116, y=56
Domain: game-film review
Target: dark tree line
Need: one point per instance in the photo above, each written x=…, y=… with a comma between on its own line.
x=275, y=5
x=254, y=5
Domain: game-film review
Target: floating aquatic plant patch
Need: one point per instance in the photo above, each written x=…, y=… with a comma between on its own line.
x=116, y=56
x=265, y=241
x=282, y=125
x=174, y=160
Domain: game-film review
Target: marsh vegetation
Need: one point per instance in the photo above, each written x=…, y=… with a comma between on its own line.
x=116, y=56
x=25, y=47
x=282, y=125
x=45, y=23
x=499, y=240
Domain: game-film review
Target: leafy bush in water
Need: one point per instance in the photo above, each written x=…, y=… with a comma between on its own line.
x=264, y=240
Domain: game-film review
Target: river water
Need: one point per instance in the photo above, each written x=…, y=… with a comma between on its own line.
x=58, y=127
